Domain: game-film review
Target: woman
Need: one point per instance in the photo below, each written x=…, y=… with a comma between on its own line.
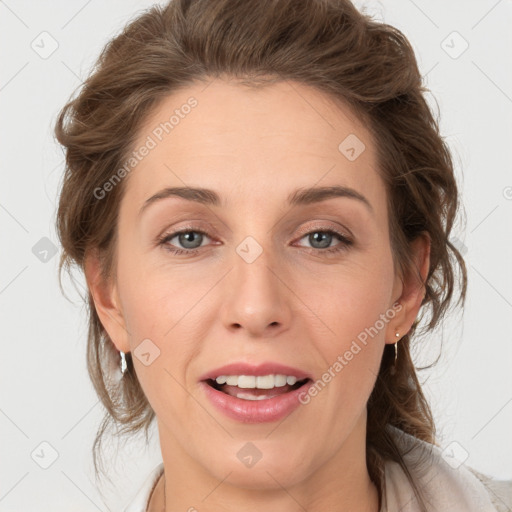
x=261, y=203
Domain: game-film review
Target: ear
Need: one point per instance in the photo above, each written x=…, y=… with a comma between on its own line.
x=410, y=289
x=106, y=301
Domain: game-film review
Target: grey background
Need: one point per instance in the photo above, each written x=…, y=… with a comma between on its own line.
x=45, y=394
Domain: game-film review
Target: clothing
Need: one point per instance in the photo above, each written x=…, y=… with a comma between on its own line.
x=141, y=500
x=445, y=485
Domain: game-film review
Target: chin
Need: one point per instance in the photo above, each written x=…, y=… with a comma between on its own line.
x=269, y=470
x=262, y=477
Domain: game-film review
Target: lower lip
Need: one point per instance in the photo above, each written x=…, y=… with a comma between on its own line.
x=255, y=411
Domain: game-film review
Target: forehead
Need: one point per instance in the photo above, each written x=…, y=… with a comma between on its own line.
x=253, y=143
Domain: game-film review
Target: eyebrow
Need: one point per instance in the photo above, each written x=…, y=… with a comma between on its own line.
x=301, y=196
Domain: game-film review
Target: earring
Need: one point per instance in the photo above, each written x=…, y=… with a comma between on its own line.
x=123, y=362
x=392, y=371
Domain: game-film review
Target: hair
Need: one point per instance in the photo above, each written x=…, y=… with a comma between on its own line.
x=364, y=64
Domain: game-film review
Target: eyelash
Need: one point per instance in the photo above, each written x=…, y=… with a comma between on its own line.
x=343, y=246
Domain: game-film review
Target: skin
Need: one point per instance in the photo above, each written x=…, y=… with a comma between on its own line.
x=292, y=305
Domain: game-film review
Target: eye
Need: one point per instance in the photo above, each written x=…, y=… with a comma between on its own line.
x=190, y=239
x=321, y=239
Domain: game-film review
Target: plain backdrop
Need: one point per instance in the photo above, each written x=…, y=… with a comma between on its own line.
x=48, y=409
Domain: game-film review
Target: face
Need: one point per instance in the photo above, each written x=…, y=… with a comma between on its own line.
x=261, y=275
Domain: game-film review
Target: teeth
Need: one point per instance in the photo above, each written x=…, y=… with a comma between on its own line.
x=260, y=382
x=248, y=396
x=280, y=380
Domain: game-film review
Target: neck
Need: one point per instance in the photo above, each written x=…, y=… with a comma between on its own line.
x=341, y=483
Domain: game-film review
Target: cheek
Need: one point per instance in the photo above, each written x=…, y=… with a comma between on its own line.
x=155, y=309
x=155, y=298
x=350, y=298
x=350, y=326
x=152, y=307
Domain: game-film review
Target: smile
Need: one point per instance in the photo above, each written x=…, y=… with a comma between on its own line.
x=254, y=405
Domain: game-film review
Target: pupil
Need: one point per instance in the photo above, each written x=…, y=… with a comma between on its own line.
x=188, y=238
x=319, y=234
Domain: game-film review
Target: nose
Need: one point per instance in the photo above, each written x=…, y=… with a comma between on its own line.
x=258, y=299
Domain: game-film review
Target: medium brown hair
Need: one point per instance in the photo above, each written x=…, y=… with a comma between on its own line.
x=328, y=44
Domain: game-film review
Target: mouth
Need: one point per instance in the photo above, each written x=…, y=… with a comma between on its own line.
x=255, y=393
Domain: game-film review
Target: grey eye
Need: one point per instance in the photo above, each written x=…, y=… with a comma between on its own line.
x=322, y=238
x=188, y=239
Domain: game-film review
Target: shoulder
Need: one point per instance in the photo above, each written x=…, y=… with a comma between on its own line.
x=139, y=502
x=443, y=482
x=500, y=491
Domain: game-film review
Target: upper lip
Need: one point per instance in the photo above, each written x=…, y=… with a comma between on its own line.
x=267, y=368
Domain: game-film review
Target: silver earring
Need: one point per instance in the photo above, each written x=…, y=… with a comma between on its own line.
x=393, y=368
x=123, y=362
